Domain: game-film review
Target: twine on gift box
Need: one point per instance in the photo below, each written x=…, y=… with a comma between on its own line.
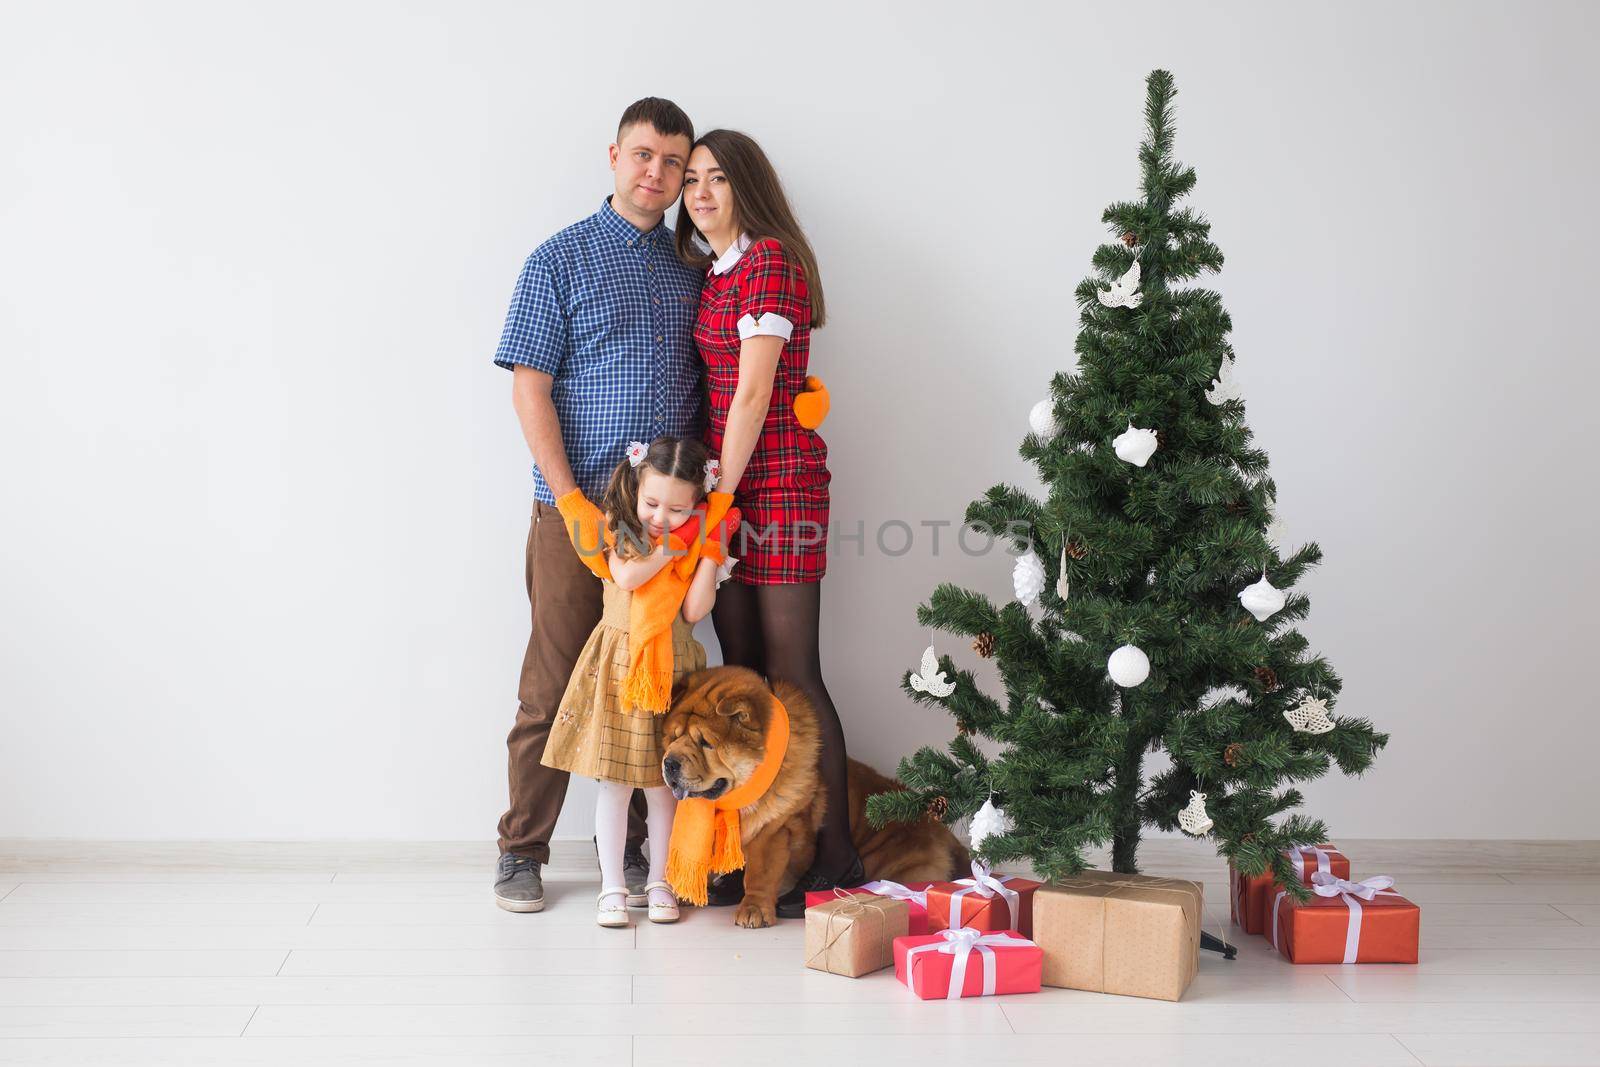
x=857, y=905
x=1164, y=885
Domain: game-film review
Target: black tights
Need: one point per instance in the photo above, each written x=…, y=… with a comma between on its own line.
x=772, y=629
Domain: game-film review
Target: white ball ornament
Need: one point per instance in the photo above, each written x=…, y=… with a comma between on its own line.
x=1027, y=577
x=1262, y=600
x=1042, y=419
x=1128, y=666
x=1135, y=446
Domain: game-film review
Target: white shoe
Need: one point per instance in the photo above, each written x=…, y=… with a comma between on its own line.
x=662, y=913
x=612, y=914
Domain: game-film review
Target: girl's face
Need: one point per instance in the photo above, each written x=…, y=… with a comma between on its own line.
x=665, y=502
x=708, y=197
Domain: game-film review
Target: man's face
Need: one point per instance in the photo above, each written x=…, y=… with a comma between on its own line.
x=649, y=168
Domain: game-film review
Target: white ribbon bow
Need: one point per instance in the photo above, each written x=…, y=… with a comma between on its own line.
x=1324, y=884
x=896, y=891
x=984, y=884
x=1323, y=855
x=960, y=944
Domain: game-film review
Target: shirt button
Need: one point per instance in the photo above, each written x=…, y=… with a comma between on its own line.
x=630, y=244
x=659, y=338
x=657, y=299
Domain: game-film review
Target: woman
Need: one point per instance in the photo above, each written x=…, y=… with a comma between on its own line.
x=761, y=300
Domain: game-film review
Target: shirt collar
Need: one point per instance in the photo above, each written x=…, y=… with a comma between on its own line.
x=726, y=261
x=620, y=228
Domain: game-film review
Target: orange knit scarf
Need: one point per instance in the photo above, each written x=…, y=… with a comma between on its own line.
x=705, y=833
x=655, y=604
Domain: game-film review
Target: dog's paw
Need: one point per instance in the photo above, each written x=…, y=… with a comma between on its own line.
x=755, y=914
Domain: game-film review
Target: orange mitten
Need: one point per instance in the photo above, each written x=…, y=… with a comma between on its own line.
x=811, y=406
x=585, y=527
x=716, y=546
x=717, y=505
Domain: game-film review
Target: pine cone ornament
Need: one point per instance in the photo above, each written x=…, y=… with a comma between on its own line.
x=1076, y=550
x=1130, y=238
x=1247, y=839
x=1236, y=507
x=1268, y=678
x=937, y=808
x=1027, y=577
x=983, y=644
x=1233, y=754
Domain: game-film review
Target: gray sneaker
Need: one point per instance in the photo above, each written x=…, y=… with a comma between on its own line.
x=635, y=874
x=517, y=885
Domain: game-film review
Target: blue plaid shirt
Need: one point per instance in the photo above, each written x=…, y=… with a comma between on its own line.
x=608, y=311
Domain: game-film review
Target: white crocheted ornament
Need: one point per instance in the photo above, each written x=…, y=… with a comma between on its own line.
x=931, y=679
x=1311, y=717
x=1124, y=292
x=1193, y=819
x=1224, y=387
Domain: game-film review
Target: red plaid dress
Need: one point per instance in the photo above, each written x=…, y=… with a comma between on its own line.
x=784, y=490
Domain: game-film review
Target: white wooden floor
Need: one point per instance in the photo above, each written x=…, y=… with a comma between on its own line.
x=394, y=954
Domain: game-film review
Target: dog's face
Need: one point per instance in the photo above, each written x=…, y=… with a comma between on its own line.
x=715, y=735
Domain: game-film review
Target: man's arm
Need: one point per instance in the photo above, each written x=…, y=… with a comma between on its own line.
x=530, y=395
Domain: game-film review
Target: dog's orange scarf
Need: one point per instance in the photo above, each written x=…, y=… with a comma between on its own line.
x=656, y=603
x=705, y=833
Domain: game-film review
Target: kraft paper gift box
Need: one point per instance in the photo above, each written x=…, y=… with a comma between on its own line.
x=1250, y=896
x=854, y=935
x=1346, y=922
x=952, y=964
x=1128, y=934
x=915, y=894
x=983, y=902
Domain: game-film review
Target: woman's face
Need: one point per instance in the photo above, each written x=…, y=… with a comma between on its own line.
x=709, y=198
x=665, y=503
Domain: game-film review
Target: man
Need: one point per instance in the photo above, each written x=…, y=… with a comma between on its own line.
x=600, y=342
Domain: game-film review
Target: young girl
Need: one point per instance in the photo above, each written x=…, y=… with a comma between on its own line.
x=659, y=580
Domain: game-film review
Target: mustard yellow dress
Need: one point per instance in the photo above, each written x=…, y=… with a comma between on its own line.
x=594, y=735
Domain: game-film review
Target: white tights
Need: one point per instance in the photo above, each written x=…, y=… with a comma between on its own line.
x=611, y=835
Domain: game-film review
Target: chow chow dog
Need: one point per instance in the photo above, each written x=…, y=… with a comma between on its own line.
x=713, y=738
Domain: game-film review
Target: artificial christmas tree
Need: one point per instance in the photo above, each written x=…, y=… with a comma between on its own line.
x=1158, y=508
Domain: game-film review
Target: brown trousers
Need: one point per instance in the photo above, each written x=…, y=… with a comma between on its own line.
x=564, y=597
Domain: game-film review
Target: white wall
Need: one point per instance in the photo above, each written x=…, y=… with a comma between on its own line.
x=263, y=494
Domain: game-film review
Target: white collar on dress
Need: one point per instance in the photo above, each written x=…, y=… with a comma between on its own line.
x=726, y=261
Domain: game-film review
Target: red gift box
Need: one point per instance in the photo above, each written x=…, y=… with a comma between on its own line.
x=915, y=894
x=968, y=963
x=1251, y=896
x=982, y=902
x=1346, y=922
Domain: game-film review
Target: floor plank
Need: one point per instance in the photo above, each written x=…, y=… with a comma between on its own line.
x=101, y=1020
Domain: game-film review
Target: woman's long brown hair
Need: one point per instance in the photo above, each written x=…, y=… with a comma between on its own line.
x=683, y=458
x=759, y=206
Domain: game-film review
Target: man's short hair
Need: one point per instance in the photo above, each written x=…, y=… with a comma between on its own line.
x=667, y=118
